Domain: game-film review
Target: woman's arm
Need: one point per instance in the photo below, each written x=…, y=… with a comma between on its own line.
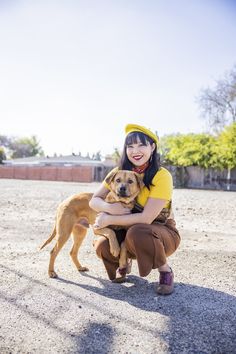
x=151, y=210
x=98, y=203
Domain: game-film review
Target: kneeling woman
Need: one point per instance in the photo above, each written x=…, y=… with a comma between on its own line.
x=150, y=234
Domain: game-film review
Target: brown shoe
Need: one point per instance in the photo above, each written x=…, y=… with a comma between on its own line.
x=166, y=283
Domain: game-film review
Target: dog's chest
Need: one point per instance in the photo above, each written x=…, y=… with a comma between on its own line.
x=110, y=199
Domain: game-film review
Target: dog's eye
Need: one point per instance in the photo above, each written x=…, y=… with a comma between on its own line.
x=130, y=181
x=118, y=180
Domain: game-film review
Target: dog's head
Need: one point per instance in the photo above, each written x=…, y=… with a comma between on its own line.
x=125, y=185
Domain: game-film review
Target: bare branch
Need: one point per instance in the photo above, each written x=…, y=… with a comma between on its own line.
x=218, y=104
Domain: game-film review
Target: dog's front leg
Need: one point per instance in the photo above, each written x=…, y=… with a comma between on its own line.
x=110, y=234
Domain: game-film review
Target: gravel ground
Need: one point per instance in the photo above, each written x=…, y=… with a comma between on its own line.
x=85, y=313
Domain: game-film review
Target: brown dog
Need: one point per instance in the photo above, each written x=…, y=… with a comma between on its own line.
x=74, y=217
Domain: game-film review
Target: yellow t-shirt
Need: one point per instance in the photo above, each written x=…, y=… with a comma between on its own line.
x=161, y=188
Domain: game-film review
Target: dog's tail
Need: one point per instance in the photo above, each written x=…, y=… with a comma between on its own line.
x=51, y=237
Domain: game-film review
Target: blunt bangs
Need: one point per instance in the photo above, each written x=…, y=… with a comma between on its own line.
x=136, y=137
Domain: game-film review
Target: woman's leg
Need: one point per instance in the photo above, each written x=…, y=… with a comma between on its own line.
x=151, y=245
x=102, y=248
x=110, y=262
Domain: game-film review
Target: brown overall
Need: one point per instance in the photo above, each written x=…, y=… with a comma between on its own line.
x=149, y=244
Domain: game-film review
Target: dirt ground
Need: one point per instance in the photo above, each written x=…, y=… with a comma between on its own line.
x=85, y=313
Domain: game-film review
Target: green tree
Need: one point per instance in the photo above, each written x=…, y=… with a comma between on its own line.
x=25, y=147
x=2, y=155
x=226, y=151
x=188, y=150
x=202, y=150
x=227, y=146
x=21, y=147
x=5, y=141
x=116, y=155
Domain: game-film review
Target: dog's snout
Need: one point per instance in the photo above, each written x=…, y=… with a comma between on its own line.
x=122, y=188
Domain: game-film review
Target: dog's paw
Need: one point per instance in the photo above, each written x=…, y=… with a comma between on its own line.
x=83, y=269
x=52, y=274
x=115, y=251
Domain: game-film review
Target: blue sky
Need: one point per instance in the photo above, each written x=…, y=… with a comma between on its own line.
x=74, y=73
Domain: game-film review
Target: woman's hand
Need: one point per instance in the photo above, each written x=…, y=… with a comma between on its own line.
x=117, y=209
x=102, y=220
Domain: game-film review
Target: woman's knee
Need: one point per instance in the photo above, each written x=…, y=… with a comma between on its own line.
x=136, y=232
x=101, y=246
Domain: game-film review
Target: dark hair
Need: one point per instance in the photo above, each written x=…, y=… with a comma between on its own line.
x=154, y=163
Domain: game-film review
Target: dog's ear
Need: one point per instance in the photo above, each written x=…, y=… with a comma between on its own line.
x=139, y=179
x=110, y=177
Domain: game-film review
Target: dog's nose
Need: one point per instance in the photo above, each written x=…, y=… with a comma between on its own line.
x=122, y=191
x=122, y=188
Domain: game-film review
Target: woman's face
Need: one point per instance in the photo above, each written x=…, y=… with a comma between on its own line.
x=138, y=153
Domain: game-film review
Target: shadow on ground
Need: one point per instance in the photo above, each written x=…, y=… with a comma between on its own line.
x=200, y=320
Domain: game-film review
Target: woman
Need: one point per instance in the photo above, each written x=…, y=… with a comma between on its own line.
x=150, y=234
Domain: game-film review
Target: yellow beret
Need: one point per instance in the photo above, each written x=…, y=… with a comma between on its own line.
x=130, y=128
